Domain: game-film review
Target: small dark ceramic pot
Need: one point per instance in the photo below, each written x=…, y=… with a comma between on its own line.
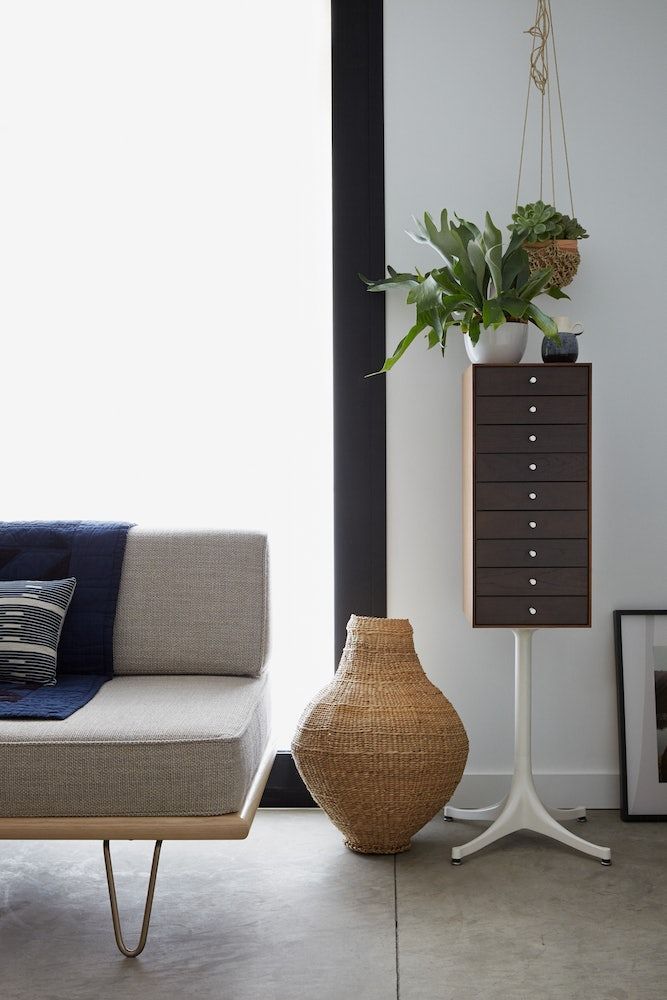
x=568, y=350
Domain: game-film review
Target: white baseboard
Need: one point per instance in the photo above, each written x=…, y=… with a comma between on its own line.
x=596, y=790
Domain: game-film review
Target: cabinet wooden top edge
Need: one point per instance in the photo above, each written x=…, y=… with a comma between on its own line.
x=533, y=364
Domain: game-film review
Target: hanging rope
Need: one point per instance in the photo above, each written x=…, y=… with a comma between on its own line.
x=560, y=104
x=525, y=115
x=538, y=77
x=539, y=61
x=551, y=149
x=539, y=70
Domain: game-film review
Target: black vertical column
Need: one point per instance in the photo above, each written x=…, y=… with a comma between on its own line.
x=358, y=317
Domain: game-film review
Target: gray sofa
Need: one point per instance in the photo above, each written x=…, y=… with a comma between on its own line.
x=176, y=744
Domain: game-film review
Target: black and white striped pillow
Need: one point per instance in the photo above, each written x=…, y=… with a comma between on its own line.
x=32, y=613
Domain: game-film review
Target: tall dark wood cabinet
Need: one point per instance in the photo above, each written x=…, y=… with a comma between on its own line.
x=527, y=559
x=527, y=495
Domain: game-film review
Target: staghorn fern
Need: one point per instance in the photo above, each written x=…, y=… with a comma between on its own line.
x=477, y=285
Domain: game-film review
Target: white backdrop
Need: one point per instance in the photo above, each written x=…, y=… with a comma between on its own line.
x=165, y=314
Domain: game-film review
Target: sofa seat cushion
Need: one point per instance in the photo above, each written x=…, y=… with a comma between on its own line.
x=144, y=746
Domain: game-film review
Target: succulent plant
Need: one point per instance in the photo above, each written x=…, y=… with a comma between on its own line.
x=477, y=285
x=572, y=230
x=538, y=221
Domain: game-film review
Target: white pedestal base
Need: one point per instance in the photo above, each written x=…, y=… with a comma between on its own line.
x=490, y=813
x=523, y=809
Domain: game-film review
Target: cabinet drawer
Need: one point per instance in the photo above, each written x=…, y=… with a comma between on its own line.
x=531, y=611
x=525, y=582
x=535, y=380
x=509, y=437
x=531, y=552
x=531, y=410
x=531, y=496
x=532, y=468
x=523, y=524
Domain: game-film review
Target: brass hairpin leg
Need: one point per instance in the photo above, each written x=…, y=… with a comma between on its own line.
x=115, y=916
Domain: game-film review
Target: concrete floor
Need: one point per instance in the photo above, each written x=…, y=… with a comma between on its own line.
x=292, y=915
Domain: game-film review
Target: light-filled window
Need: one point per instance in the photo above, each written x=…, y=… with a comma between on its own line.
x=165, y=316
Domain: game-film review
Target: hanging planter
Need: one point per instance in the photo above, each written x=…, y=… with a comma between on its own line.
x=551, y=238
x=562, y=256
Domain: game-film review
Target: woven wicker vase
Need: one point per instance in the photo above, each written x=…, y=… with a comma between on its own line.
x=561, y=255
x=380, y=748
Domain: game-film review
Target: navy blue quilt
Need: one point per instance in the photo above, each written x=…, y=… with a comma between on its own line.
x=35, y=701
x=91, y=551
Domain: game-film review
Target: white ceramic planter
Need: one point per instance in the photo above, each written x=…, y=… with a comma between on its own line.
x=506, y=345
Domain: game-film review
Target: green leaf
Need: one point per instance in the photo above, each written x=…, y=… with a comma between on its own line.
x=401, y=348
x=439, y=239
x=393, y=281
x=543, y=322
x=473, y=331
x=514, y=265
x=492, y=313
x=512, y=306
x=493, y=257
x=463, y=271
x=469, y=227
x=493, y=246
x=523, y=275
x=479, y=264
x=536, y=283
x=517, y=239
x=557, y=293
x=492, y=235
x=466, y=319
x=446, y=280
x=453, y=302
x=426, y=295
x=435, y=320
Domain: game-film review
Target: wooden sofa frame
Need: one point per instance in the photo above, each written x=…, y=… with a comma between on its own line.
x=232, y=826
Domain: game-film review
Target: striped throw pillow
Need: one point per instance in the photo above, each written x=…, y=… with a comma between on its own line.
x=32, y=613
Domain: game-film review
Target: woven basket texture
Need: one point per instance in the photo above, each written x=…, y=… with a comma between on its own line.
x=380, y=749
x=561, y=255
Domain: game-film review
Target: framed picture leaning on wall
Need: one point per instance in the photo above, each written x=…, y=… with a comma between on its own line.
x=641, y=668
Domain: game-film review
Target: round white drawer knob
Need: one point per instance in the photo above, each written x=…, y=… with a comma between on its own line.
x=532, y=581
x=532, y=437
x=532, y=524
x=533, y=611
x=532, y=496
x=532, y=467
x=532, y=379
x=532, y=553
x=533, y=409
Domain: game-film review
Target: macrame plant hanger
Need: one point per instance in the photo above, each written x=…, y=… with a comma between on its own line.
x=561, y=255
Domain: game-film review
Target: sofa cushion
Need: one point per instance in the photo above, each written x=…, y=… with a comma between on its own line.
x=32, y=613
x=192, y=602
x=144, y=746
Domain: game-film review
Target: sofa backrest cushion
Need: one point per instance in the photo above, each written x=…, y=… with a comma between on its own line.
x=192, y=602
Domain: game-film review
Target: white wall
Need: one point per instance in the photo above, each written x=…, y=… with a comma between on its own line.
x=455, y=78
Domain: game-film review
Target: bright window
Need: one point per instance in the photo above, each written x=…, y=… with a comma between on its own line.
x=165, y=235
